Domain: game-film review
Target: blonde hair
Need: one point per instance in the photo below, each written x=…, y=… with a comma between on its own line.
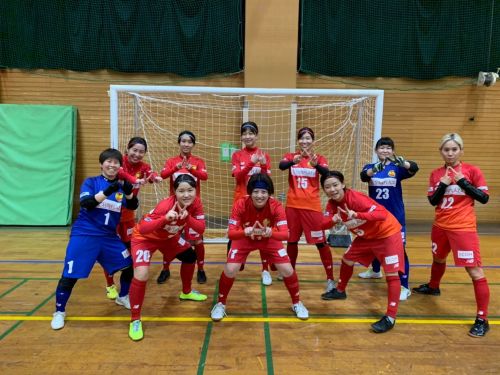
x=452, y=137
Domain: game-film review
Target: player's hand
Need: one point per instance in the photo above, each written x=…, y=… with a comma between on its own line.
x=267, y=232
x=172, y=215
x=127, y=187
x=377, y=167
x=248, y=231
x=112, y=188
x=314, y=160
x=297, y=158
x=255, y=158
x=140, y=181
x=350, y=213
x=458, y=175
x=157, y=179
x=262, y=158
x=398, y=160
x=183, y=213
x=179, y=165
x=446, y=179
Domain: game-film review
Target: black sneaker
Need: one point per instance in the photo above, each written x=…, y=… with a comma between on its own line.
x=383, y=325
x=201, y=277
x=334, y=294
x=426, y=289
x=480, y=328
x=164, y=276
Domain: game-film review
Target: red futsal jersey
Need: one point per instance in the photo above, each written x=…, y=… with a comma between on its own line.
x=373, y=220
x=197, y=170
x=132, y=173
x=244, y=214
x=243, y=169
x=456, y=209
x=303, y=183
x=154, y=226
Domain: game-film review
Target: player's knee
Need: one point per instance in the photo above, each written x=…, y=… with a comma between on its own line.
x=66, y=283
x=188, y=256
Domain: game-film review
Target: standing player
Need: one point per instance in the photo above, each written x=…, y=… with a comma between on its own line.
x=137, y=172
x=161, y=229
x=246, y=162
x=93, y=235
x=303, y=205
x=384, y=186
x=258, y=221
x=186, y=163
x=453, y=188
x=378, y=234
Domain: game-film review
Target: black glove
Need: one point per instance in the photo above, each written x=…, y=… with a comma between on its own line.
x=113, y=188
x=127, y=187
x=398, y=160
x=377, y=167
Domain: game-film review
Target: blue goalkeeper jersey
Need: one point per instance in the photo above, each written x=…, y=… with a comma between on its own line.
x=385, y=188
x=103, y=219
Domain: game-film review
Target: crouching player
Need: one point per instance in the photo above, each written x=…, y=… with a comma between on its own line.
x=377, y=236
x=258, y=222
x=161, y=229
x=93, y=235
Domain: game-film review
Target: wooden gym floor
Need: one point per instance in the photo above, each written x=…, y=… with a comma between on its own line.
x=260, y=335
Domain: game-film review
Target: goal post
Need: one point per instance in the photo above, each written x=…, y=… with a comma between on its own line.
x=347, y=123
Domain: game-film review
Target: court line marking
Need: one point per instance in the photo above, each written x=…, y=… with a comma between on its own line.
x=183, y=319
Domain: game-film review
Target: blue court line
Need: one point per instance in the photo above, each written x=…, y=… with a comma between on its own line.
x=50, y=261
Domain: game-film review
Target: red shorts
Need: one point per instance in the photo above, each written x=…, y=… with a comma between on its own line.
x=191, y=235
x=465, y=246
x=271, y=250
x=306, y=221
x=143, y=250
x=125, y=229
x=389, y=252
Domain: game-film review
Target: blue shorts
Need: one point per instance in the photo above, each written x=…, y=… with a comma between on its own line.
x=83, y=251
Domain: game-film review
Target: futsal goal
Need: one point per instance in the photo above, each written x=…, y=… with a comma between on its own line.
x=347, y=123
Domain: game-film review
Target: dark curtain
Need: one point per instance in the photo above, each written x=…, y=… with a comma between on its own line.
x=422, y=39
x=185, y=37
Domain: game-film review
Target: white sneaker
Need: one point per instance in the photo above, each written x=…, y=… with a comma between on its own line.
x=218, y=312
x=405, y=293
x=266, y=278
x=300, y=311
x=58, y=320
x=330, y=285
x=123, y=301
x=369, y=274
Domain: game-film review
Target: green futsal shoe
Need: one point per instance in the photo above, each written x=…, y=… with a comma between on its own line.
x=135, y=330
x=194, y=295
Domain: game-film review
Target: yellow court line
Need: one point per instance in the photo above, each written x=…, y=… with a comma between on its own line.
x=180, y=319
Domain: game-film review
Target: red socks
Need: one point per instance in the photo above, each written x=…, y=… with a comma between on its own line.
x=225, y=285
x=136, y=295
x=437, y=272
x=187, y=271
x=393, y=292
x=345, y=276
x=327, y=260
x=109, y=278
x=265, y=264
x=482, y=293
x=293, y=250
x=200, y=255
x=292, y=284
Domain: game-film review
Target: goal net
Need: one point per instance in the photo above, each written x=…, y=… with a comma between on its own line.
x=346, y=124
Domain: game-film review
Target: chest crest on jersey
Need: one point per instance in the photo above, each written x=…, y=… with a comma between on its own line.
x=392, y=173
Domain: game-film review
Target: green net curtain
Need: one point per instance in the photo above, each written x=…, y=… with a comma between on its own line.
x=422, y=39
x=186, y=37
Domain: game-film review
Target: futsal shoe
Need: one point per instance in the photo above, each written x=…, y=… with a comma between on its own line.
x=370, y=274
x=480, y=328
x=300, y=311
x=193, y=295
x=58, y=320
x=426, y=289
x=405, y=293
x=123, y=301
x=164, y=276
x=266, y=278
x=383, y=325
x=201, y=277
x=135, y=330
x=111, y=292
x=334, y=294
x=218, y=312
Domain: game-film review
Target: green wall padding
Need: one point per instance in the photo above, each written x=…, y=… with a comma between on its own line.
x=37, y=164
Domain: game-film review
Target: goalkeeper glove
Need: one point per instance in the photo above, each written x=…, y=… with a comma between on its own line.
x=111, y=189
x=398, y=160
x=377, y=167
x=127, y=187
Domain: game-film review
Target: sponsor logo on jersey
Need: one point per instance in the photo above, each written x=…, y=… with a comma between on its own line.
x=392, y=173
x=383, y=182
x=391, y=259
x=303, y=172
x=454, y=190
x=119, y=197
x=465, y=254
x=110, y=205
